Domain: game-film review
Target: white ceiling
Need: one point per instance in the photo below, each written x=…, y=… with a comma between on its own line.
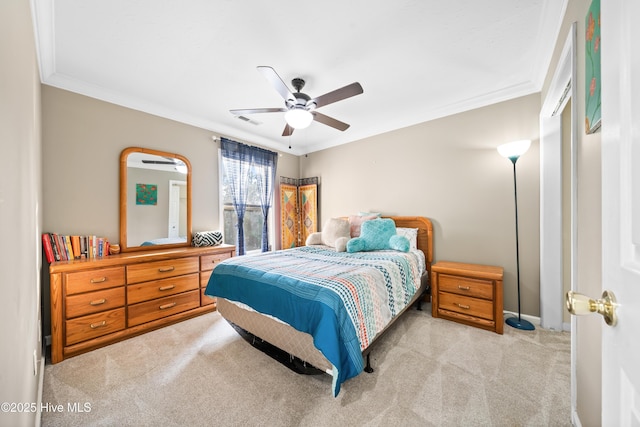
x=194, y=60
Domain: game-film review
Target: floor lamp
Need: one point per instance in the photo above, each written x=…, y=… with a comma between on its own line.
x=513, y=151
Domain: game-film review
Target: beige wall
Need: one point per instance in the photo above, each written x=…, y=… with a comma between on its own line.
x=449, y=170
x=82, y=141
x=20, y=212
x=588, y=334
x=446, y=169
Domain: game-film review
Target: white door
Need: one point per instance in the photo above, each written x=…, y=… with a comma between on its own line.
x=621, y=209
x=174, y=207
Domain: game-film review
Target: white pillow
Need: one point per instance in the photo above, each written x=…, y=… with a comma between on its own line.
x=335, y=233
x=411, y=234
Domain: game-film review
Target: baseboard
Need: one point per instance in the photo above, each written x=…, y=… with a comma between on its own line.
x=533, y=319
x=566, y=327
x=575, y=419
x=38, y=422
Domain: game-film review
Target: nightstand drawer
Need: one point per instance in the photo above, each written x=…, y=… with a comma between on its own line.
x=475, y=307
x=94, y=325
x=94, y=302
x=162, y=307
x=468, y=293
x=161, y=288
x=466, y=286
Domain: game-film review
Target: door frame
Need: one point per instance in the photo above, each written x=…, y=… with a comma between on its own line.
x=180, y=185
x=561, y=89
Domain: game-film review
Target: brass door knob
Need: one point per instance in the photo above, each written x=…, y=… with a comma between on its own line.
x=578, y=304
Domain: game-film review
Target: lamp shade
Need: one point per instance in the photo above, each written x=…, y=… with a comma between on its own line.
x=298, y=118
x=514, y=149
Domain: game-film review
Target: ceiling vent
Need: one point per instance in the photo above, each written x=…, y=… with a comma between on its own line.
x=248, y=120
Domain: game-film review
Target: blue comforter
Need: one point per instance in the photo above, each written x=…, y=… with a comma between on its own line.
x=342, y=300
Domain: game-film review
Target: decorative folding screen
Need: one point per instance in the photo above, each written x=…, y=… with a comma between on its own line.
x=298, y=210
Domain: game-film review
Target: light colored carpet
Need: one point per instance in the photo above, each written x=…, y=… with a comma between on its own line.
x=428, y=372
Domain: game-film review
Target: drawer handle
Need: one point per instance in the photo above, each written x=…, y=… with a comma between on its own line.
x=100, y=280
x=167, y=269
x=165, y=306
x=466, y=307
x=99, y=325
x=464, y=288
x=98, y=301
x=166, y=288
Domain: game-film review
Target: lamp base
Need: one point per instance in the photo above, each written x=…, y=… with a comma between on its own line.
x=525, y=325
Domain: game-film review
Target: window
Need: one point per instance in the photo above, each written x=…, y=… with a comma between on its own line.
x=253, y=219
x=246, y=176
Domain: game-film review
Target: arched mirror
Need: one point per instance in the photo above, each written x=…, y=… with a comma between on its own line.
x=155, y=199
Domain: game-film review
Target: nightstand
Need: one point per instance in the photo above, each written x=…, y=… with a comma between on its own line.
x=468, y=293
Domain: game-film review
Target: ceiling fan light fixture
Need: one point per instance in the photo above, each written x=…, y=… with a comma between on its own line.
x=298, y=118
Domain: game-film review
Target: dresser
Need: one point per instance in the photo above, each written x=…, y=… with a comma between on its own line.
x=100, y=301
x=468, y=293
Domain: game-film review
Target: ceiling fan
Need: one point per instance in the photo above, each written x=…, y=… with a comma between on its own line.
x=300, y=108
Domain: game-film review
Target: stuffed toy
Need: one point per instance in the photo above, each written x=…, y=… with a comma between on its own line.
x=335, y=233
x=376, y=235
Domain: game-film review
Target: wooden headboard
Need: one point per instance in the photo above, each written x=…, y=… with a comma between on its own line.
x=425, y=233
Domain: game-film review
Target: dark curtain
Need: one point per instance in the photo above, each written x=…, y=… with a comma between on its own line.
x=239, y=161
x=268, y=160
x=236, y=160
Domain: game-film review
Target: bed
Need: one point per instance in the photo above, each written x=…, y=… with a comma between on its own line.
x=330, y=316
x=164, y=241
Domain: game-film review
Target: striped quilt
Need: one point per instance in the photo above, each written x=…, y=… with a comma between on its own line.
x=341, y=299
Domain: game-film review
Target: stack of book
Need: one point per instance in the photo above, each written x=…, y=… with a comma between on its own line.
x=58, y=247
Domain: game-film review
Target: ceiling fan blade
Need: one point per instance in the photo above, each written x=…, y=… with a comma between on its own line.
x=337, y=95
x=244, y=111
x=288, y=130
x=329, y=121
x=277, y=83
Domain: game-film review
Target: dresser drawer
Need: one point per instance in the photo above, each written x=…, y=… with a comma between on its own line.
x=209, y=262
x=162, y=307
x=93, y=280
x=469, y=306
x=205, y=299
x=94, y=325
x=161, y=269
x=161, y=288
x=204, y=278
x=466, y=286
x=93, y=302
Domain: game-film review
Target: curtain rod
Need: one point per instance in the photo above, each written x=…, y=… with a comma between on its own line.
x=217, y=139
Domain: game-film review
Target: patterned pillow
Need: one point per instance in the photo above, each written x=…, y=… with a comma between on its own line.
x=206, y=238
x=411, y=234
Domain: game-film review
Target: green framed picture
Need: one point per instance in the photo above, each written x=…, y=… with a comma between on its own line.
x=593, y=82
x=146, y=194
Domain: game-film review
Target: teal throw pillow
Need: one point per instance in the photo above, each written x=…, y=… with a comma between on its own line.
x=376, y=235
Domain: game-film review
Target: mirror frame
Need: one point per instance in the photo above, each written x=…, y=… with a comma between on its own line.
x=123, y=200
